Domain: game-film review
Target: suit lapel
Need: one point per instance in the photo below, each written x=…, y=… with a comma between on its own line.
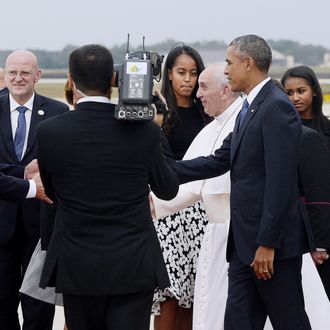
x=38, y=115
x=6, y=131
x=253, y=109
x=240, y=131
x=234, y=137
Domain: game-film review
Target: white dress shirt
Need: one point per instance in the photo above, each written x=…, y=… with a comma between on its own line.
x=14, y=118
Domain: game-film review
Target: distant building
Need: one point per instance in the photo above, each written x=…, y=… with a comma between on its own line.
x=326, y=59
x=210, y=56
x=219, y=55
x=280, y=59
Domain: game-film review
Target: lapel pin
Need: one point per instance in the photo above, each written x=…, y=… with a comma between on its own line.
x=252, y=110
x=41, y=112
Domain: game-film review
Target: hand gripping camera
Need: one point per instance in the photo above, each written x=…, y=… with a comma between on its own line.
x=135, y=84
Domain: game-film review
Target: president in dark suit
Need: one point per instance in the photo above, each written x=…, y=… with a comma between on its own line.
x=104, y=255
x=20, y=112
x=269, y=228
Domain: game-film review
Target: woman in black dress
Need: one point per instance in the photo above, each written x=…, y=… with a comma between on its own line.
x=304, y=90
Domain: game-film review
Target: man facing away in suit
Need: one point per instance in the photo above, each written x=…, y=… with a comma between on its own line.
x=20, y=112
x=269, y=229
x=104, y=254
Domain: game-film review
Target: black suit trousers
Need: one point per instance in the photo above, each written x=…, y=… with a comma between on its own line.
x=37, y=315
x=250, y=300
x=114, y=312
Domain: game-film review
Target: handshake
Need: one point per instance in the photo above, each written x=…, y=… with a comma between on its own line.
x=31, y=172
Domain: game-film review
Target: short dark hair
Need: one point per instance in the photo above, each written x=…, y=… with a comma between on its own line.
x=308, y=74
x=91, y=68
x=255, y=47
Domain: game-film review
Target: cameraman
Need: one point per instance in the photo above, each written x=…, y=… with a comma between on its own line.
x=104, y=255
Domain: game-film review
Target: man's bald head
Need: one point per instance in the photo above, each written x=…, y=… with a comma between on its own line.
x=22, y=56
x=21, y=74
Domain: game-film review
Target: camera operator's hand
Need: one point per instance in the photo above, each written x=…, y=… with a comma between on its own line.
x=160, y=114
x=161, y=97
x=158, y=118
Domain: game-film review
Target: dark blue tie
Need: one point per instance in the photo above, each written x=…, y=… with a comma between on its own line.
x=243, y=112
x=20, y=132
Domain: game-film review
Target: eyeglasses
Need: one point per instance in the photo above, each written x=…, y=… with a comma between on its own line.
x=22, y=74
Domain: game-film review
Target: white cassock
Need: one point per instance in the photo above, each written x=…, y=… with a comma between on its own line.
x=211, y=278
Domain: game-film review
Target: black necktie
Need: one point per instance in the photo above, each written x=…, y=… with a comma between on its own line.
x=20, y=132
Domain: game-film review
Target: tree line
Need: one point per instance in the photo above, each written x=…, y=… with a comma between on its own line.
x=311, y=55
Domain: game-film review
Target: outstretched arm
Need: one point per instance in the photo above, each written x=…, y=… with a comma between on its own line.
x=206, y=167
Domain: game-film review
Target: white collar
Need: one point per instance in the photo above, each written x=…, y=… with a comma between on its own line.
x=14, y=104
x=100, y=99
x=254, y=92
x=229, y=111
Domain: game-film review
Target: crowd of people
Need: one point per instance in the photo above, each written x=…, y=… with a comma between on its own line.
x=215, y=217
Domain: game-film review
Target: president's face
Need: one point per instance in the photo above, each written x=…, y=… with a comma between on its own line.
x=236, y=71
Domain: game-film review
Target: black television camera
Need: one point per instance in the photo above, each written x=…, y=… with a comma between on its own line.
x=135, y=84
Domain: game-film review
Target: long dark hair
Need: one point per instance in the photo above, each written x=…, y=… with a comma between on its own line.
x=308, y=74
x=167, y=88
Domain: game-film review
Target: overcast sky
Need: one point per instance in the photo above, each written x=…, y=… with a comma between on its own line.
x=52, y=25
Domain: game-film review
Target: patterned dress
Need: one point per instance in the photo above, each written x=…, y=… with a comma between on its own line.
x=180, y=235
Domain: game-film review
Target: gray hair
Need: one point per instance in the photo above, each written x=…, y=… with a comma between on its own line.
x=218, y=69
x=255, y=47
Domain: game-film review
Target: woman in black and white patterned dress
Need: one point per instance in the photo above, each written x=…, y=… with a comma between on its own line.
x=180, y=234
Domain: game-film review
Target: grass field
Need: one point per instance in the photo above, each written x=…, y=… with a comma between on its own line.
x=56, y=89
x=53, y=90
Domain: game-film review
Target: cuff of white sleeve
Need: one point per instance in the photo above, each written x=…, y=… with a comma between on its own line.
x=320, y=249
x=32, y=190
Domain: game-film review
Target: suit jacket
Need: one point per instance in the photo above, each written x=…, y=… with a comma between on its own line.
x=12, y=188
x=314, y=184
x=263, y=156
x=29, y=209
x=99, y=169
x=4, y=91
